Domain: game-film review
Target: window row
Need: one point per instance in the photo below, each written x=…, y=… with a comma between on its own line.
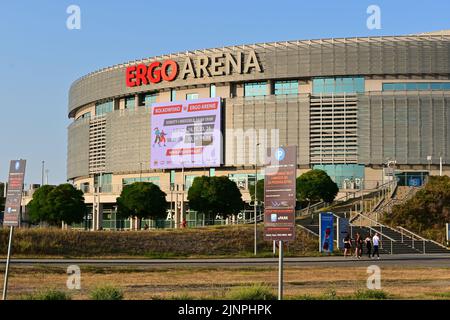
x=416, y=86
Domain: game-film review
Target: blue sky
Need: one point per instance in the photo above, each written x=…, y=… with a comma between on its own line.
x=40, y=57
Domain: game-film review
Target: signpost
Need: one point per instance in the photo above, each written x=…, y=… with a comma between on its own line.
x=279, y=201
x=12, y=208
x=447, y=227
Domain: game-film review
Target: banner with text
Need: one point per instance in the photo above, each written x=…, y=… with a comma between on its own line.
x=14, y=193
x=186, y=134
x=280, y=194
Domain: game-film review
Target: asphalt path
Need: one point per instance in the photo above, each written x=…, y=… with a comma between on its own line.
x=403, y=260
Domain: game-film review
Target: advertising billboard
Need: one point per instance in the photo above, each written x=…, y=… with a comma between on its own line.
x=186, y=134
x=280, y=194
x=326, y=221
x=343, y=229
x=14, y=194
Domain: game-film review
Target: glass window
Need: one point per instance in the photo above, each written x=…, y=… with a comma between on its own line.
x=338, y=85
x=286, y=87
x=103, y=181
x=445, y=86
x=414, y=86
x=346, y=176
x=423, y=86
x=212, y=91
x=192, y=96
x=130, y=103
x=86, y=115
x=436, y=86
x=255, y=89
x=400, y=86
x=103, y=108
x=173, y=95
x=150, y=98
x=388, y=87
x=411, y=86
x=154, y=180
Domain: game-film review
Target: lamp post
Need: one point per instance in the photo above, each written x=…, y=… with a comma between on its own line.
x=254, y=201
x=140, y=171
x=42, y=173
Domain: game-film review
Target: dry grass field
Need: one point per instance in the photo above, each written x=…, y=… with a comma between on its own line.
x=214, y=283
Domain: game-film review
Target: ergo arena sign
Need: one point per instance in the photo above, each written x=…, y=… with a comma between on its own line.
x=219, y=64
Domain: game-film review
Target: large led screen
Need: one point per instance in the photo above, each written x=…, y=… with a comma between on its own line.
x=186, y=134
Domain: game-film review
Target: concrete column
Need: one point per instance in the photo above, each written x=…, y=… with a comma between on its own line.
x=100, y=216
x=183, y=210
x=270, y=89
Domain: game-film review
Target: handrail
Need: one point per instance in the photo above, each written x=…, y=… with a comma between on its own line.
x=411, y=233
x=305, y=228
x=421, y=238
x=381, y=234
x=323, y=204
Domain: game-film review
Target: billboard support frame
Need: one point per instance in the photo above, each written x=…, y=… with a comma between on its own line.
x=5, y=283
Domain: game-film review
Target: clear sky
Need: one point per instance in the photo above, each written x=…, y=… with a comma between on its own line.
x=40, y=57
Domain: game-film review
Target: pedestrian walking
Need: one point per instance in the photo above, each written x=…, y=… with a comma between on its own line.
x=368, y=242
x=347, y=245
x=376, y=243
x=358, y=245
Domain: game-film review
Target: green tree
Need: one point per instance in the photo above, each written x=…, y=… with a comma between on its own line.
x=142, y=200
x=213, y=195
x=67, y=204
x=57, y=204
x=427, y=212
x=314, y=186
x=259, y=190
x=39, y=208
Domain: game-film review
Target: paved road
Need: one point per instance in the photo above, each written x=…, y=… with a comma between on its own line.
x=404, y=260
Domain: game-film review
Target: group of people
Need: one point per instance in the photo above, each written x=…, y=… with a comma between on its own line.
x=371, y=244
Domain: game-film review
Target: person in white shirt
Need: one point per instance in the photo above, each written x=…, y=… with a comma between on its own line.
x=376, y=243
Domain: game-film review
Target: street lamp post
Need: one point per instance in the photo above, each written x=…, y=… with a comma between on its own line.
x=42, y=173
x=254, y=201
x=140, y=171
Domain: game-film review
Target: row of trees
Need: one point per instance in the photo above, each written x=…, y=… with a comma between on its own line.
x=209, y=195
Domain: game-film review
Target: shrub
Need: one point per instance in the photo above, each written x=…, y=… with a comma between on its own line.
x=50, y=294
x=370, y=295
x=106, y=292
x=254, y=292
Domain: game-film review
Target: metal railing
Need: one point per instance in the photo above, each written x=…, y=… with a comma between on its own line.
x=390, y=185
x=413, y=235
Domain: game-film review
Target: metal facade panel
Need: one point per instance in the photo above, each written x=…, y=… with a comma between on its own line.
x=78, y=149
x=363, y=56
x=406, y=127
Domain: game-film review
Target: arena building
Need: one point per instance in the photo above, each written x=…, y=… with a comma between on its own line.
x=360, y=108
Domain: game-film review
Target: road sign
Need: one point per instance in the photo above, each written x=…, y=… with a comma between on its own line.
x=14, y=193
x=279, y=194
